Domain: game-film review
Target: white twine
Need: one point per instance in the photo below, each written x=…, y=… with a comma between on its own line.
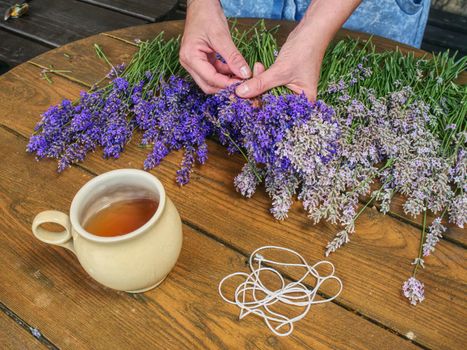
x=294, y=293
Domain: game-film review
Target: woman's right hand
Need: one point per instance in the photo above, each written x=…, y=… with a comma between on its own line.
x=207, y=33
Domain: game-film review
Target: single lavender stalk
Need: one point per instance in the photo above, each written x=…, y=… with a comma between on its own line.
x=413, y=289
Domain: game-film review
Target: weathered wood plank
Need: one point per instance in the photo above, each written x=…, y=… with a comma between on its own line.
x=447, y=20
x=453, y=232
x=55, y=22
x=184, y=312
x=455, y=41
x=72, y=61
x=15, y=49
x=153, y=11
x=12, y=336
x=373, y=265
x=432, y=48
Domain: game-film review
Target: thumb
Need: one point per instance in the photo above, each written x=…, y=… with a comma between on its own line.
x=234, y=59
x=258, y=84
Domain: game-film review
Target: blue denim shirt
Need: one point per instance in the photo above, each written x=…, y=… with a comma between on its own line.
x=399, y=20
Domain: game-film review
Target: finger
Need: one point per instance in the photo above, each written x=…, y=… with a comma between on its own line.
x=309, y=93
x=258, y=69
x=259, y=84
x=234, y=58
x=207, y=89
x=188, y=63
x=222, y=68
x=219, y=65
x=206, y=71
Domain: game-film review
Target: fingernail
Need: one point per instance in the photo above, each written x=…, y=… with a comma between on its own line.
x=243, y=89
x=245, y=72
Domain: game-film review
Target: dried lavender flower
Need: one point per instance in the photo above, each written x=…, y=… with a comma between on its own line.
x=414, y=290
x=435, y=233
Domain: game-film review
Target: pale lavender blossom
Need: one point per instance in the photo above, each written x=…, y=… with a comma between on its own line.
x=458, y=210
x=435, y=233
x=414, y=290
x=247, y=180
x=342, y=237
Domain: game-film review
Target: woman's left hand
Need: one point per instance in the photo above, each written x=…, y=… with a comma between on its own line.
x=297, y=67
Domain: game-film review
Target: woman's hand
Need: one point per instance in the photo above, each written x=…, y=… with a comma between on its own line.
x=297, y=67
x=299, y=61
x=207, y=33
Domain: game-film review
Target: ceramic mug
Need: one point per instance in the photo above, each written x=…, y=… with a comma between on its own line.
x=134, y=262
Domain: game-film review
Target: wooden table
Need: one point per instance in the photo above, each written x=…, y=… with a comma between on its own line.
x=47, y=300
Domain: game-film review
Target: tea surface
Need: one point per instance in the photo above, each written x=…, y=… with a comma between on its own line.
x=121, y=217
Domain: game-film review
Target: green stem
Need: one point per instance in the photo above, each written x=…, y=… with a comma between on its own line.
x=100, y=53
x=422, y=241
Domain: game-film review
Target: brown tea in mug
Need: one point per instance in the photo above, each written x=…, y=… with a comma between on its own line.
x=121, y=217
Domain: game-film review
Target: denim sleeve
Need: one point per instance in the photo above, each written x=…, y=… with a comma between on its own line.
x=399, y=20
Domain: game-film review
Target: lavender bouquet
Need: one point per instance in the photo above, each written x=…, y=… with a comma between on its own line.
x=382, y=118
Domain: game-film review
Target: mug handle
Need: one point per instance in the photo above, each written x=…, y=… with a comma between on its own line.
x=63, y=239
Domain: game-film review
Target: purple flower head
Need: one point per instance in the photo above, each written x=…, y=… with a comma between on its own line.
x=451, y=127
x=414, y=290
x=247, y=180
x=116, y=71
x=121, y=84
x=52, y=134
x=116, y=128
x=311, y=145
x=159, y=152
x=172, y=120
x=183, y=174
x=435, y=233
x=220, y=58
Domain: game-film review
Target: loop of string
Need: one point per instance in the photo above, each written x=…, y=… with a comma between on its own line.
x=253, y=297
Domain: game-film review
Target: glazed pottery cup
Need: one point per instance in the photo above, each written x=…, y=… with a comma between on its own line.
x=134, y=262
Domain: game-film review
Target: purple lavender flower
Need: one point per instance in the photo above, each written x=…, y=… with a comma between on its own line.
x=413, y=290
x=312, y=143
x=173, y=120
x=183, y=174
x=451, y=127
x=116, y=128
x=121, y=84
x=154, y=158
x=51, y=133
x=458, y=171
x=220, y=58
x=116, y=71
x=247, y=181
x=435, y=233
x=458, y=210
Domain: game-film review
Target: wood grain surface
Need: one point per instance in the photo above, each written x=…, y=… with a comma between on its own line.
x=149, y=10
x=184, y=311
x=12, y=336
x=221, y=229
x=15, y=49
x=211, y=204
x=55, y=22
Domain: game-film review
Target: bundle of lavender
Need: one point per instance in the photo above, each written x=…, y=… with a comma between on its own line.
x=381, y=118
